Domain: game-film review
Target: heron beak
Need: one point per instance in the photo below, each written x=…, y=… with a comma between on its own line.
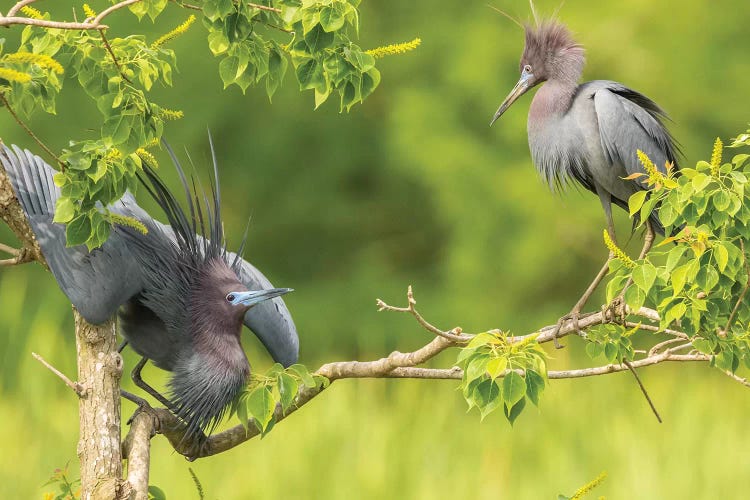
x=520, y=89
x=253, y=297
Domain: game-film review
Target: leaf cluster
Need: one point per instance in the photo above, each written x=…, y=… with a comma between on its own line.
x=278, y=386
x=697, y=277
x=498, y=372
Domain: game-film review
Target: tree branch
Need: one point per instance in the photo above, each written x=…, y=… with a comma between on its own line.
x=136, y=448
x=94, y=24
x=77, y=388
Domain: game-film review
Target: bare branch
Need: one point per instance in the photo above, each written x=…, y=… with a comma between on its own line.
x=94, y=24
x=453, y=335
x=137, y=449
x=741, y=380
x=77, y=387
x=23, y=3
x=28, y=130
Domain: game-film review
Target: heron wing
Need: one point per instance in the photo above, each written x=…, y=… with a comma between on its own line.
x=96, y=282
x=629, y=121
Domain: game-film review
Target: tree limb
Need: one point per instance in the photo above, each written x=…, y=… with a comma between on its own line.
x=94, y=24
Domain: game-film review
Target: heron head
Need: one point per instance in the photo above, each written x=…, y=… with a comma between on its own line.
x=550, y=53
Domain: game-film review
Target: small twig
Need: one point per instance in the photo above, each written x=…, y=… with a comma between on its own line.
x=23, y=3
x=187, y=5
x=28, y=131
x=656, y=329
x=453, y=335
x=9, y=250
x=264, y=7
x=744, y=290
x=77, y=387
x=114, y=58
x=643, y=389
x=741, y=380
x=661, y=345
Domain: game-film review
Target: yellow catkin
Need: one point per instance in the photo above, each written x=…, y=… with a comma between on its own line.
x=41, y=60
x=14, y=76
x=397, y=48
x=88, y=11
x=650, y=168
x=618, y=253
x=124, y=220
x=179, y=30
x=31, y=12
x=580, y=492
x=147, y=157
x=169, y=114
x=716, y=157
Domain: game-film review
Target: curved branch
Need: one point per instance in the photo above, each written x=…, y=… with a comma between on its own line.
x=94, y=24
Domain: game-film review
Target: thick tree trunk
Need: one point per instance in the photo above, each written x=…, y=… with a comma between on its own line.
x=99, y=371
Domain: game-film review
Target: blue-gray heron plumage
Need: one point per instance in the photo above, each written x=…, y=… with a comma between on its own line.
x=589, y=132
x=182, y=297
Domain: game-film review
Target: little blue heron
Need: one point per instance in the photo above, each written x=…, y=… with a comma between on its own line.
x=588, y=132
x=182, y=298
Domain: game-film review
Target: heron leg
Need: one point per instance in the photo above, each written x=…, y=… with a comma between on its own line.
x=575, y=313
x=122, y=346
x=136, y=376
x=142, y=404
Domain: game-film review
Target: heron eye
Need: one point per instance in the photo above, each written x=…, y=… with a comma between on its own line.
x=527, y=69
x=230, y=297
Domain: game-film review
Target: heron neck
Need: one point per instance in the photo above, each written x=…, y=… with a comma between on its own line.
x=551, y=101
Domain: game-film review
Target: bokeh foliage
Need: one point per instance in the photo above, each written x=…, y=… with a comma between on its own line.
x=412, y=187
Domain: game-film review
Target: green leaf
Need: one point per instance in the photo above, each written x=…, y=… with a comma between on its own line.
x=707, y=278
x=635, y=297
x=318, y=39
x=229, y=69
x=156, y=493
x=78, y=231
x=611, y=352
x=721, y=255
x=477, y=367
x=703, y=345
x=721, y=200
x=594, y=349
x=64, y=210
x=679, y=277
x=310, y=76
x=481, y=339
x=514, y=388
x=304, y=374
x=512, y=413
x=674, y=257
x=644, y=276
x=534, y=386
x=496, y=366
x=217, y=42
x=277, y=65
x=260, y=404
x=635, y=202
x=332, y=17
x=487, y=397
x=287, y=390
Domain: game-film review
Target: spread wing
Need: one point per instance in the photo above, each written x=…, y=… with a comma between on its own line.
x=95, y=282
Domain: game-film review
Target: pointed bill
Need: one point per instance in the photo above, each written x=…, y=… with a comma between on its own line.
x=520, y=89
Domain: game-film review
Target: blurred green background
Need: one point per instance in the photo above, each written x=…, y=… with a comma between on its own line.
x=414, y=188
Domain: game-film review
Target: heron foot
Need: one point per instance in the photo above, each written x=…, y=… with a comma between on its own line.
x=143, y=405
x=573, y=316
